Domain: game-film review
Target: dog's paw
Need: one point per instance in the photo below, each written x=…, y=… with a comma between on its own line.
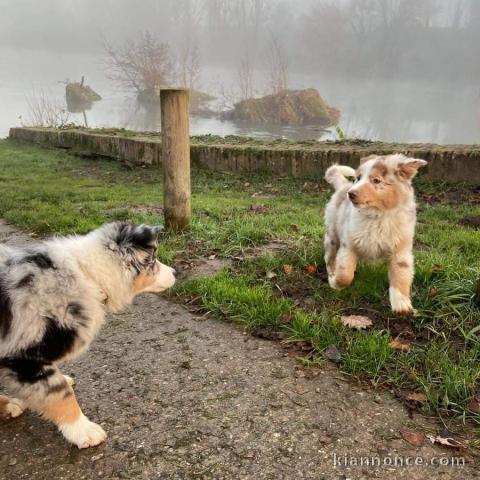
x=83, y=433
x=11, y=407
x=400, y=303
x=70, y=380
x=332, y=281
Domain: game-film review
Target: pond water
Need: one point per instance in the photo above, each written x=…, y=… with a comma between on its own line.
x=375, y=109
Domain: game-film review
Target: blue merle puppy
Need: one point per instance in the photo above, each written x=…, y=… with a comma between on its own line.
x=53, y=300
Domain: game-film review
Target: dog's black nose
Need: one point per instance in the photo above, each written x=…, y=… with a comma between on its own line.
x=352, y=195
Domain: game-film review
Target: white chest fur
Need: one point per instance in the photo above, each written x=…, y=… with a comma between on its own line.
x=373, y=236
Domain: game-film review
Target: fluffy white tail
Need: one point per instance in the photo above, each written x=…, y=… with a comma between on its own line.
x=335, y=175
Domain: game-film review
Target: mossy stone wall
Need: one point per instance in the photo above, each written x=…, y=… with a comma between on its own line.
x=453, y=163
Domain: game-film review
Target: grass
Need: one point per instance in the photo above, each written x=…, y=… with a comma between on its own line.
x=48, y=191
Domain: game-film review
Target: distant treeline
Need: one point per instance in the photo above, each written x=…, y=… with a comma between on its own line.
x=430, y=39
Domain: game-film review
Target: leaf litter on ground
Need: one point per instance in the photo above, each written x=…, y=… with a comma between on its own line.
x=358, y=322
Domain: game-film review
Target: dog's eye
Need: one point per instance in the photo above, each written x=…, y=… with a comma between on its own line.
x=376, y=180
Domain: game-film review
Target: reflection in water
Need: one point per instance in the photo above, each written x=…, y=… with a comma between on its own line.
x=74, y=106
x=146, y=118
x=402, y=113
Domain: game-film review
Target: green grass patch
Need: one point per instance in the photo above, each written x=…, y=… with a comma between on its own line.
x=263, y=224
x=236, y=298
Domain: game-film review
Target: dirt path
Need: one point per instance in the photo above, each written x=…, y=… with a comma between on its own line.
x=183, y=397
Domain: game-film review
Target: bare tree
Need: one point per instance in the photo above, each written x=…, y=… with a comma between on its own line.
x=259, y=9
x=245, y=77
x=362, y=17
x=218, y=14
x=46, y=111
x=458, y=15
x=140, y=64
x=228, y=97
x=189, y=68
x=326, y=26
x=188, y=13
x=277, y=61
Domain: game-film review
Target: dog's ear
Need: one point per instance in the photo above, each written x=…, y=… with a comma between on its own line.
x=145, y=236
x=408, y=167
x=142, y=237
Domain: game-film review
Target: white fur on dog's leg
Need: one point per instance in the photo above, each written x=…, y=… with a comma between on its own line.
x=14, y=407
x=70, y=380
x=400, y=303
x=333, y=283
x=83, y=433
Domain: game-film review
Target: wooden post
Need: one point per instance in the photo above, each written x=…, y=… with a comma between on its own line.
x=176, y=158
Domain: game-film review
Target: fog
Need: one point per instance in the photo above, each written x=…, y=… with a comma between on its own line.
x=397, y=70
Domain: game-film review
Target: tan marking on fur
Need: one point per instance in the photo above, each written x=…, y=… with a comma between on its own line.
x=345, y=269
x=381, y=168
x=385, y=198
x=400, y=280
x=409, y=168
x=366, y=194
x=3, y=403
x=343, y=278
x=390, y=197
x=142, y=282
x=60, y=408
x=4, y=411
x=400, y=271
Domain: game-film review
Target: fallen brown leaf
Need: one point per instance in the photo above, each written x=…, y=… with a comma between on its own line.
x=311, y=269
x=417, y=439
x=401, y=345
x=288, y=269
x=259, y=209
x=432, y=293
x=416, y=397
x=358, y=322
x=286, y=317
x=447, y=441
x=474, y=404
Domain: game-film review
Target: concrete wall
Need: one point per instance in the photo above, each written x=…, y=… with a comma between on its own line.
x=454, y=163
